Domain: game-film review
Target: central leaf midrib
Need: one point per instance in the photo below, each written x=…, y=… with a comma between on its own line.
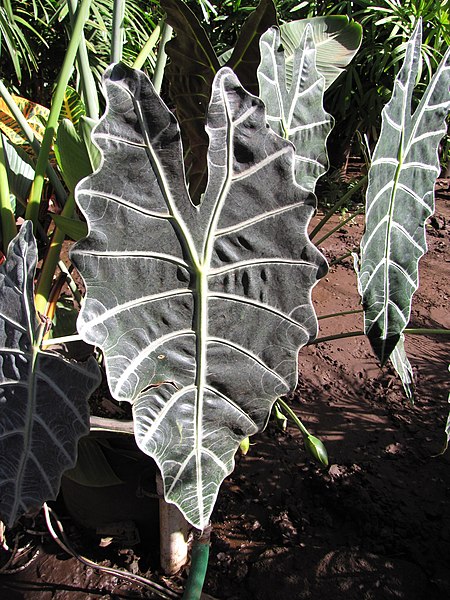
x=201, y=302
x=31, y=395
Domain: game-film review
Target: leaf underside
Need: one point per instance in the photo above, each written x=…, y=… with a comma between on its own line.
x=43, y=397
x=199, y=310
x=400, y=197
x=336, y=38
x=295, y=111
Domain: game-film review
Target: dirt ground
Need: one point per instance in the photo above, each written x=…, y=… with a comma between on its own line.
x=374, y=525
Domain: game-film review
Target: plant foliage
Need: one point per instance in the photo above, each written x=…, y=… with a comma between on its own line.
x=400, y=197
x=205, y=347
x=43, y=408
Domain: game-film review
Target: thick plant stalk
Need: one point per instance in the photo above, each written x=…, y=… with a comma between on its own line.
x=34, y=143
x=174, y=530
x=117, y=33
x=7, y=218
x=158, y=75
x=199, y=565
x=58, y=98
x=87, y=82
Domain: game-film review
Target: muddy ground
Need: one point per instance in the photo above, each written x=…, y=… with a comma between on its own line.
x=374, y=525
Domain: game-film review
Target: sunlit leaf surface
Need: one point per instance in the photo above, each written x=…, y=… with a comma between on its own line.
x=199, y=311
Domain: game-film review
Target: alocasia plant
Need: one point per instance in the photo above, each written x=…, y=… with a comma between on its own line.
x=295, y=111
x=199, y=310
x=400, y=197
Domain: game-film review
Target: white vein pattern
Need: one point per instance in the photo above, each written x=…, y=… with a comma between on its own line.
x=202, y=334
x=43, y=398
x=399, y=199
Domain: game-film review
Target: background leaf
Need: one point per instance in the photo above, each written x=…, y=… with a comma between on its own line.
x=337, y=39
x=202, y=329
x=193, y=65
x=72, y=107
x=43, y=397
x=246, y=56
x=72, y=155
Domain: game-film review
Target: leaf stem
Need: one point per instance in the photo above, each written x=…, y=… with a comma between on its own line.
x=293, y=416
x=66, y=339
x=338, y=336
x=51, y=260
x=345, y=198
x=70, y=281
x=341, y=314
x=158, y=75
x=87, y=82
x=348, y=334
x=339, y=259
x=340, y=225
x=32, y=211
x=117, y=33
x=425, y=331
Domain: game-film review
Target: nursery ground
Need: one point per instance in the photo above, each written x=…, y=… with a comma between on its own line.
x=374, y=525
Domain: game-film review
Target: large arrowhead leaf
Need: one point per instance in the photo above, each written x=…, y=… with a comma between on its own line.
x=400, y=197
x=296, y=111
x=43, y=398
x=200, y=311
x=337, y=40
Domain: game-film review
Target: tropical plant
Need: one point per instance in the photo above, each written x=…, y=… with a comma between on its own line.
x=34, y=37
x=199, y=307
x=357, y=99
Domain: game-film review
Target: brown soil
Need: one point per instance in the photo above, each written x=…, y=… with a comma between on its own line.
x=375, y=525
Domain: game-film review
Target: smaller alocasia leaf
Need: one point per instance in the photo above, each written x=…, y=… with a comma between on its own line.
x=400, y=197
x=295, y=111
x=43, y=397
x=337, y=40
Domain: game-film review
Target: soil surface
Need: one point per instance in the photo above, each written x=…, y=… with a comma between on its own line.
x=374, y=525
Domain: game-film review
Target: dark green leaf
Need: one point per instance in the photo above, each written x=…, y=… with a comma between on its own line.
x=73, y=228
x=246, y=55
